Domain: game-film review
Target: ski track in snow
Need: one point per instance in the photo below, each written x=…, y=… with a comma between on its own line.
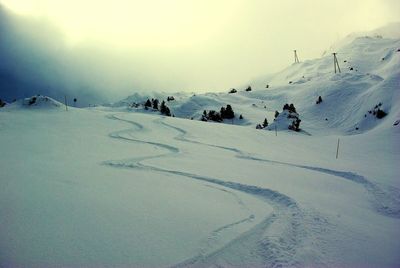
x=294, y=224
x=385, y=202
x=209, y=243
x=274, y=250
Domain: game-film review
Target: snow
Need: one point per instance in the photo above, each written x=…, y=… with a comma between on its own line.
x=117, y=185
x=347, y=96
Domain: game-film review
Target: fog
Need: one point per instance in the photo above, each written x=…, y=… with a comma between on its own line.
x=105, y=50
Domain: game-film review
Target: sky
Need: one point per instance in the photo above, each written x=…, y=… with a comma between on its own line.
x=190, y=45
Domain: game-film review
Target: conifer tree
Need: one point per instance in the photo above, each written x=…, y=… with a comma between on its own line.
x=265, y=123
x=148, y=103
x=155, y=104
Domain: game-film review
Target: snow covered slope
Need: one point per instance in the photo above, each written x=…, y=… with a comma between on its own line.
x=121, y=186
x=93, y=188
x=35, y=102
x=370, y=74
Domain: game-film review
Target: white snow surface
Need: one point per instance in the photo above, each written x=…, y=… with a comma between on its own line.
x=116, y=186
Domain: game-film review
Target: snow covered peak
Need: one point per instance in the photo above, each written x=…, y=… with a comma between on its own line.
x=36, y=102
x=390, y=31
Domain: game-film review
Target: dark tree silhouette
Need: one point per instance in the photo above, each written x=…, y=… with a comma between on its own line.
x=155, y=104
x=222, y=111
x=265, y=123
x=164, y=109
x=286, y=107
x=229, y=114
x=295, y=125
x=214, y=116
x=292, y=108
x=380, y=114
x=148, y=103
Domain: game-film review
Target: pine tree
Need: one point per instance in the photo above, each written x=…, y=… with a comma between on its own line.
x=292, y=108
x=286, y=107
x=222, y=112
x=164, y=109
x=167, y=111
x=229, y=114
x=148, y=103
x=265, y=123
x=155, y=104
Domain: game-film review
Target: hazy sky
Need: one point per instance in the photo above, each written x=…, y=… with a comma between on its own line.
x=204, y=44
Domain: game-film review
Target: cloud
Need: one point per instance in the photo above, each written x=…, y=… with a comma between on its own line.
x=98, y=51
x=35, y=60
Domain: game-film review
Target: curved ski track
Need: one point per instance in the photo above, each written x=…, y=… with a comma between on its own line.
x=386, y=202
x=255, y=247
x=261, y=249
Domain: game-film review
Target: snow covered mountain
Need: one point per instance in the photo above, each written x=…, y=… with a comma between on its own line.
x=122, y=186
x=370, y=74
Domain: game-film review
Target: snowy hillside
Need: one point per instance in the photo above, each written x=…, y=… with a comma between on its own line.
x=370, y=74
x=122, y=186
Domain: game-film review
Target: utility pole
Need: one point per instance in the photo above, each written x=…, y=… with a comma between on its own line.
x=296, y=59
x=336, y=63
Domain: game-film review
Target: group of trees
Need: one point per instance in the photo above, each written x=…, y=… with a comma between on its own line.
x=289, y=111
x=292, y=114
x=154, y=103
x=224, y=113
x=295, y=125
x=289, y=108
x=233, y=90
x=377, y=111
x=164, y=109
x=263, y=125
x=227, y=113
